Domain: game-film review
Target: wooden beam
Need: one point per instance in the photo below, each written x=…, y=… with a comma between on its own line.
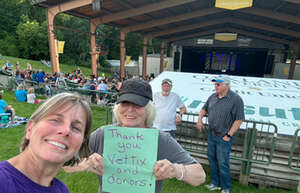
x=93, y=50
x=52, y=43
x=122, y=53
x=193, y=35
x=140, y=11
x=272, y=15
x=260, y=36
x=264, y=27
x=84, y=32
x=173, y=19
x=188, y=27
x=293, y=62
x=72, y=30
x=144, y=68
x=69, y=5
x=226, y=20
x=292, y=1
x=162, y=49
x=251, y=34
x=51, y=13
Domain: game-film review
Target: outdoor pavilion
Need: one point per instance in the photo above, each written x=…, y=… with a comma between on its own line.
x=172, y=20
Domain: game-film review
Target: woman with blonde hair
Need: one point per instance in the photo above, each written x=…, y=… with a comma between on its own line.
x=134, y=108
x=56, y=135
x=31, y=98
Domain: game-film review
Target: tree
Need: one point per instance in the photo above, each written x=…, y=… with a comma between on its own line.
x=76, y=51
x=8, y=46
x=32, y=39
x=9, y=17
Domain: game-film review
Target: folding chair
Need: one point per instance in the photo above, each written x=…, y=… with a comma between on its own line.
x=4, y=117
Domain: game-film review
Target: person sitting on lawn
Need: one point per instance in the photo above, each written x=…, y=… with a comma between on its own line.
x=21, y=94
x=40, y=76
x=31, y=98
x=61, y=81
x=18, y=66
x=6, y=68
x=4, y=108
x=28, y=67
x=56, y=135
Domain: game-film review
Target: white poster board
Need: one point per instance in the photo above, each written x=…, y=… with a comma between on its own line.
x=268, y=100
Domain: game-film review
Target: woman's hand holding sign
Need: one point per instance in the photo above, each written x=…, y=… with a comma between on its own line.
x=94, y=163
x=164, y=169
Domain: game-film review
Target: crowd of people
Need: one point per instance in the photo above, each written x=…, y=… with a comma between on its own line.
x=52, y=82
x=135, y=106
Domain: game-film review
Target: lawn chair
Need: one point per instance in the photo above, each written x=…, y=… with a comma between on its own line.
x=4, y=117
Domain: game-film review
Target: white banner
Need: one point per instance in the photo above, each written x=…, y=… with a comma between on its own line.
x=269, y=100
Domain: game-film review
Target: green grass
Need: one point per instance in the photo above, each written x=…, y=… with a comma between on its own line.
x=36, y=65
x=174, y=186
x=86, y=182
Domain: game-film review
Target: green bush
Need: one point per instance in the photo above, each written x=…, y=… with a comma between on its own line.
x=8, y=46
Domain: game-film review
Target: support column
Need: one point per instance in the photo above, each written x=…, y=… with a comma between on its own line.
x=293, y=61
x=93, y=49
x=169, y=49
x=162, y=49
x=52, y=42
x=122, y=53
x=144, y=68
x=51, y=13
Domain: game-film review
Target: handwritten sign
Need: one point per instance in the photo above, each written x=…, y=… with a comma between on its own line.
x=129, y=158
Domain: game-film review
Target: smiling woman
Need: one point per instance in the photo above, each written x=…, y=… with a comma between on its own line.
x=56, y=135
x=134, y=108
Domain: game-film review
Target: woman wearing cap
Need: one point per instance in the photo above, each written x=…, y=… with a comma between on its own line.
x=57, y=134
x=134, y=108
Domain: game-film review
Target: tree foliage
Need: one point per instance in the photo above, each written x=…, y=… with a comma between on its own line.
x=32, y=39
x=23, y=33
x=76, y=50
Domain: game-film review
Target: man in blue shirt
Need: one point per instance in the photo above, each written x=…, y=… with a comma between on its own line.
x=40, y=76
x=225, y=111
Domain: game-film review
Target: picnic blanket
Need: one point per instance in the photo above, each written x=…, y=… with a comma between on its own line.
x=18, y=121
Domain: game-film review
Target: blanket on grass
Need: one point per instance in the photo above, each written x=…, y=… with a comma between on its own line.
x=18, y=121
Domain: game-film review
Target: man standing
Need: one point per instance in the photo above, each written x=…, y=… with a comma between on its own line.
x=225, y=110
x=166, y=103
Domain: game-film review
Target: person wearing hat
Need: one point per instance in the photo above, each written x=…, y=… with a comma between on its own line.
x=134, y=108
x=225, y=111
x=166, y=104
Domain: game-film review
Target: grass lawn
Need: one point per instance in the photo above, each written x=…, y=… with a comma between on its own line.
x=36, y=65
x=86, y=182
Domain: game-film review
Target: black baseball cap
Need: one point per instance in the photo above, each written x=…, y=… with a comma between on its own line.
x=135, y=91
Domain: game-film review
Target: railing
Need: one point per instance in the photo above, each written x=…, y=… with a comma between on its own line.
x=294, y=158
x=257, y=138
x=254, y=142
x=11, y=83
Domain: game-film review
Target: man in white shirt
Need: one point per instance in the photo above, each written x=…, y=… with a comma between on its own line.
x=166, y=104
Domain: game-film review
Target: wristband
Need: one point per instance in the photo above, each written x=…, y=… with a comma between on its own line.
x=182, y=170
x=228, y=135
